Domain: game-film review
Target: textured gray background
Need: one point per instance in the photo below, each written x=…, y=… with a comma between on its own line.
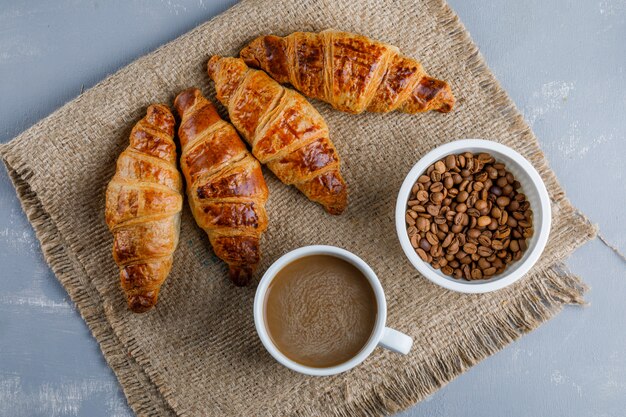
x=563, y=63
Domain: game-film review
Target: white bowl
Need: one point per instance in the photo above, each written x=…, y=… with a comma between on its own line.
x=532, y=186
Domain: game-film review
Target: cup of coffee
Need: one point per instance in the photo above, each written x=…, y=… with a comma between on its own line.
x=321, y=310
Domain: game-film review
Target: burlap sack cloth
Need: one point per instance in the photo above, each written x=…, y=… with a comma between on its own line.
x=197, y=353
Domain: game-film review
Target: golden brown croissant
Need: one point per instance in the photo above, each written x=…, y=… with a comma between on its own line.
x=351, y=72
x=285, y=131
x=225, y=185
x=143, y=204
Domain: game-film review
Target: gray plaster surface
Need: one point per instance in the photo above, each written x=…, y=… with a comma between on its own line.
x=562, y=62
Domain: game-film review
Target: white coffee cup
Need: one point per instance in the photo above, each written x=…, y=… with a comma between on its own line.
x=381, y=336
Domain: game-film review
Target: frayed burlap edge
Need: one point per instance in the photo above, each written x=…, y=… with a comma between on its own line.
x=548, y=291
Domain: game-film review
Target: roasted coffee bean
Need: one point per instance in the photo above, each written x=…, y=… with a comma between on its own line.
x=484, y=240
x=436, y=187
x=483, y=263
x=495, y=190
x=484, y=251
x=436, y=198
x=450, y=161
x=432, y=239
x=481, y=205
x=484, y=221
x=489, y=271
x=503, y=201
x=469, y=248
x=433, y=209
x=477, y=274
x=422, y=224
x=422, y=254
x=467, y=216
x=497, y=245
x=462, y=196
x=439, y=220
x=447, y=240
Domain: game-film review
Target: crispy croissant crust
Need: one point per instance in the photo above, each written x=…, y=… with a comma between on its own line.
x=143, y=204
x=225, y=185
x=286, y=133
x=351, y=72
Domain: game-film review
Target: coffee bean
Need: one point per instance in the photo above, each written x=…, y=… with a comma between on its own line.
x=477, y=274
x=503, y=201
x=495, y=190
x=422, y=224
x=432, y=239
x=462, y=196
x=469, y=248
x=489, y=271
x=436, y=198
x=436, y=187
x=480, y=205
x=450, y=161
x=497, y=245
x=484, y=221
x=484, y=251
x=484, y=240
x=422, y=254
x=467, y=217
x=439, y=220
x=440, y=167
x=433, y=209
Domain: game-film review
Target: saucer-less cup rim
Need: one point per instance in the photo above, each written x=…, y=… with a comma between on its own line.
x=381, y=335
x=541, y=215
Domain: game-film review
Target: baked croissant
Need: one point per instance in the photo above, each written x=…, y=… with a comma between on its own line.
x=285, y=131
x=225, y=185
x=143, y=204
x=351, y=72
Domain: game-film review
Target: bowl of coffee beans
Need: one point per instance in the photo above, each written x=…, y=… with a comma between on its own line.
x=473, y=216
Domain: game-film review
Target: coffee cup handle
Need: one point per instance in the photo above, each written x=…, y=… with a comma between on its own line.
x=395, y=341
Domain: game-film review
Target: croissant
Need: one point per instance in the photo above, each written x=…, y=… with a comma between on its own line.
x=285, y=131
x=351, y=72
x=143, y=204
x=225, y=185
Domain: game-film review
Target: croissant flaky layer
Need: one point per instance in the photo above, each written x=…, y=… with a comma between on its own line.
x=351, y=72
x=285, y=131
x=143, y=206
x=225, y=185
